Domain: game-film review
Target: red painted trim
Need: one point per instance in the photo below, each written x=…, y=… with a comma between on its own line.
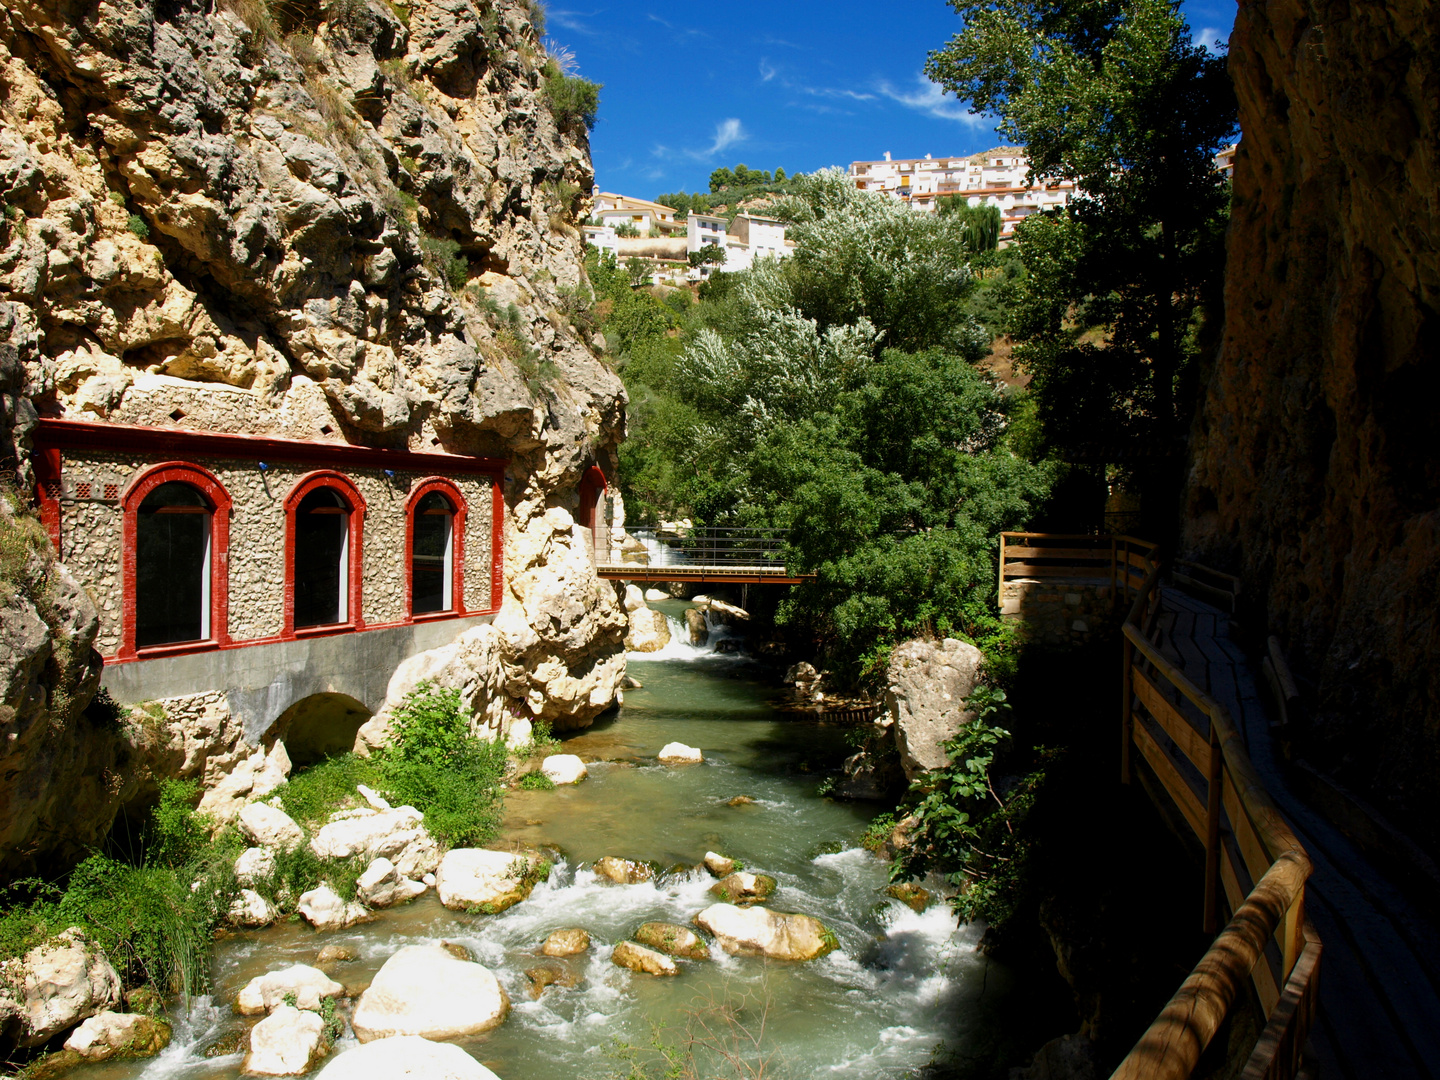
x=338, y=482
x=174, y=442
x=48, y=465
x=592, y=484
x=497, y=545
x=457, y=546
x=141, y=484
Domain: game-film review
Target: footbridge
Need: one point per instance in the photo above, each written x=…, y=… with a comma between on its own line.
x=741, y=556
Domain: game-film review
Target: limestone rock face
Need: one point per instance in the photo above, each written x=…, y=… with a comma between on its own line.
x=758, y=931
x=402, y=1057
x=638, y=958
x=285, y=1043
x=264, y=993
x=124, y=1035
x=54, y=986
x=928, y=683
x=255, y=235
x=490, y=881
x=425, y=990
x=1314, y=474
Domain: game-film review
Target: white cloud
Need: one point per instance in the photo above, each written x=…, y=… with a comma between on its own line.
x=930, y=99
x=727, y=134
x=570, y=20
x=767, y=70
x=1207, y=37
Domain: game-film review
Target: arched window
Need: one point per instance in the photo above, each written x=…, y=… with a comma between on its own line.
x=324, y=519
x=435, y=548
x=173, y=559
x=172, y=566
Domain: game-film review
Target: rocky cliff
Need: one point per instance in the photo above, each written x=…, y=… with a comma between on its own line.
x=1314, y=474
x=349, y=220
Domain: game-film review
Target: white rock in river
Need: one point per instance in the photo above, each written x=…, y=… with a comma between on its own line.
x=677, y=753
x=269, y=826
x=649, y=630
x=110, y=1034
x=284, y=1043
x=54, y=986
x=652, y=595
x=637, y=957
x=265, y=992
x=374, y=834
x=254, y=865
x=420, y=857
x=403, y=1057
x=634, y=599
x=759, y=931
x=324, y=909
x=564, y=769
x=485, y=879
x=381, y=885
x=426, y=990
x=250, y=909
x=718, y=864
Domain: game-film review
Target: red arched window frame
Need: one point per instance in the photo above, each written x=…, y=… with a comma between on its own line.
x=342, y=486
x=457, y=548
x=592, y=488
x=206, y=483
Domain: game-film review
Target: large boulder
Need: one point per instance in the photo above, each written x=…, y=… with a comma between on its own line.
x=270, y=827
x=54, y=986
x=426, y=990
x=119, y=1035
x=285, y=1043
x=373, y=834
x=251, y=910
x=267, y=992
x=696, y=627
x=568, y=942
x=564, y=769
x=382, y=885
x=628, y=954
x=325, y=909
x=254, y=865
x=719, y=865
x=677, y=753
x=623, y=871
x=673, y=940
x=928, y=683
x=483, y=880
x=405, y=1056
x=649, y=630
x=758, y=931
x=743, y=887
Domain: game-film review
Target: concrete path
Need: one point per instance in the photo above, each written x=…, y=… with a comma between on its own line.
x=1379, y=1011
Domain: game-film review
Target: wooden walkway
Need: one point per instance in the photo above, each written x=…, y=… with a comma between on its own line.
x=1379, y=1011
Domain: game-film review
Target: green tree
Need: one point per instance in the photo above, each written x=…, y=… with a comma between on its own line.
x=779, y=175
x=1111, y=95
x=721, y=179
x=708, y=255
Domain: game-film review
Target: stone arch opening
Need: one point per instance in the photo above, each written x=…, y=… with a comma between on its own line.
x=320, y=726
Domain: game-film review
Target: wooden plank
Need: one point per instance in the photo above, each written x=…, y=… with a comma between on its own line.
x=1195, y=746
x=1168, y=669
x=1257, y=858
x=1092, y=574
x=1234, y=878
x=1096, y=555
x=1278, y=1051
x=1139, y=561
x=1164, y=768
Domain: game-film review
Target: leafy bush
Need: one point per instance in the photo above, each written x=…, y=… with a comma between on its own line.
x=573, y=100
x=314, y=792
x=443, y=256
x=436, y=765
x=136, y=224
x=536, y=781
x=176, y=835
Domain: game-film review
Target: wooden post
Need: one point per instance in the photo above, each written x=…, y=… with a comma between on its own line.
x=1212, y=831
x=1292, y=935
x=1114, y=596
x=1000, y=586
x=1127, y=691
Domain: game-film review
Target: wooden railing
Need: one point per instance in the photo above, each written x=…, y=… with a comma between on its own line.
x=1255, y=868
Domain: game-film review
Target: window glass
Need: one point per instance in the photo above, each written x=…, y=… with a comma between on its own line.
x=431, y=562
x=322, y=558
x=172, y=566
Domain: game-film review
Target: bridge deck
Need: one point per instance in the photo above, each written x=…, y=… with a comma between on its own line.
x=1379, y=1011
x=773, y=575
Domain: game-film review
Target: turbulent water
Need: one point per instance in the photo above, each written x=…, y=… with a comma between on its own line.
x=900, y=984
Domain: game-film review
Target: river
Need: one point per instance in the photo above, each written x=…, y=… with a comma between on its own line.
x=901, y=983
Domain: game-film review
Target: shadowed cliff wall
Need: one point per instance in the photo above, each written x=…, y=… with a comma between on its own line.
x=1315, y=471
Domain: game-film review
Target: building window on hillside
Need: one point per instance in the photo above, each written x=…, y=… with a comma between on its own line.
x=172, y=566
x=322, y=559
x=432, y=562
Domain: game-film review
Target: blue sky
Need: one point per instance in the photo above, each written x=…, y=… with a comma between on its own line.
x=797, y=84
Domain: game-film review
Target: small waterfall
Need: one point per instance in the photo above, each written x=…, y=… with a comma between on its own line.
x=679, y=647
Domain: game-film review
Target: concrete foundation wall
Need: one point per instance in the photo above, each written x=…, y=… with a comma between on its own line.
x=260, y=682
x=1059, y=611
